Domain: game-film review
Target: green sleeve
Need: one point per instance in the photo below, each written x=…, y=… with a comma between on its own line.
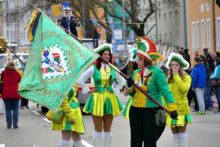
x=164, y=89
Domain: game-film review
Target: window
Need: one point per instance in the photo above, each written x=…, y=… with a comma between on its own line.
x=218, y=32
x=197, y=35
x=7, y=34
x=171, y=38
x=193, y=35
x=165, y=37
x=208, y=32
x=203, y=33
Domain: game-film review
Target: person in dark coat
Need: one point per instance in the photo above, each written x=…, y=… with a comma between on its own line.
x=69, y=22
x=10, y=79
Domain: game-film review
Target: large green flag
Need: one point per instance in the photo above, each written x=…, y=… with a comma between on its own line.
x=55, y=62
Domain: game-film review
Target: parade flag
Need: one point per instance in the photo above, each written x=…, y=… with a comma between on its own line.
x=55, y=61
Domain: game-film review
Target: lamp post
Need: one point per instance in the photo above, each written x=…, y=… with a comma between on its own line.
x=1, y=18
x=124, y=26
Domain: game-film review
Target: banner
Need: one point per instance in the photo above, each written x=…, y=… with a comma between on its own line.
x=55, y=62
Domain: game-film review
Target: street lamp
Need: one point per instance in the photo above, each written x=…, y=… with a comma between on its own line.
x=124, y=26
x=1, y=18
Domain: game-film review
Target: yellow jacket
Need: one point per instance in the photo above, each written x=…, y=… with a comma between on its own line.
x=180, y=87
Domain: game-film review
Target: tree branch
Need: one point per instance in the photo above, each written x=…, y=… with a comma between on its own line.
x=151, y=11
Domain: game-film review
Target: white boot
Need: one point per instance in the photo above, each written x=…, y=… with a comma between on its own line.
x=64, y=143
x=107, y=139
x=77, y=143
x=175, y=140
x=97, y=139
x=183, y=139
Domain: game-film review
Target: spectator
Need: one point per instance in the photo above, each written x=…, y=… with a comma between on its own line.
x=208, y=88
x=199, y=83
x=217, y=54
x=216, y=76
x=181, y=51
x=68, y=21
x=196, y=53
x=24, y=101
x=209, y=60
x=10, y=79
x=187, y=57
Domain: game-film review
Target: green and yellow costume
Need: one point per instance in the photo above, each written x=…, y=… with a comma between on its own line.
x=103, y=101
x=154, y=82
x=71, y=109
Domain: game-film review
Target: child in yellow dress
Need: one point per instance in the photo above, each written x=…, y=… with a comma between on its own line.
x=72, y=122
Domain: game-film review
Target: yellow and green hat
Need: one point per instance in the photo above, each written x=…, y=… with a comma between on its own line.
x=105, y=46
x=178, y=58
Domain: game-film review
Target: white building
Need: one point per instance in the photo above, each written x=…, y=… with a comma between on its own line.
x=16, y=14
x=170, y=23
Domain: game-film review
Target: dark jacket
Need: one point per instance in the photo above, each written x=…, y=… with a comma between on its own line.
x=199, y=76
x=10, y=79
x=72, y=22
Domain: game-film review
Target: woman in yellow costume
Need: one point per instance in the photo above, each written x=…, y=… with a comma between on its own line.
x=103, y=103
x=72, y=122
x=179, y=82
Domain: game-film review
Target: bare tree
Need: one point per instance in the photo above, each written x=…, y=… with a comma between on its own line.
x=136, y=14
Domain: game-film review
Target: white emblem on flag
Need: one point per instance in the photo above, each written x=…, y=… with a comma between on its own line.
x=54, y=62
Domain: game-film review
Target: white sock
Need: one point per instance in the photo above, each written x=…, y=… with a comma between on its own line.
x=183, y=139
x=77, y=143
x=97, y=139
x=107, y=139
x=175, y=140
x=107, y=133
x=64, y=143
x=97, y=134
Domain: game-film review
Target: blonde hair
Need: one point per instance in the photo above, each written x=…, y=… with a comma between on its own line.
x=10, y=65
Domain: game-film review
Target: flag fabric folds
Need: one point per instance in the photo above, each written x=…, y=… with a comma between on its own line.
x=55, y=62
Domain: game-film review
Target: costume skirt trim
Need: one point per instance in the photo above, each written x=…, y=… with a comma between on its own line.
x=125, y=112
x=105, y=103
x=182, y=120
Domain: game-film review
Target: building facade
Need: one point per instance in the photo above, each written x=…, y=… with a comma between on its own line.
x=170, y=21
x=1, y=18
x=204, y=25
x=16, y=15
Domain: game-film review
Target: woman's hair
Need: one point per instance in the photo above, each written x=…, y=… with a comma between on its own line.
x=199, y=59
x=10, y=65
x=99, y=60
x=170, y=75
x=147, y=63
x=217, y=61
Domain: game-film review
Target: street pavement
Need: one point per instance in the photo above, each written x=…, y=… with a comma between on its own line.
x=34, y=131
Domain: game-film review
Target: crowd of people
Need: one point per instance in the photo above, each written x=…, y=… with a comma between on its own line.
x=175, y=89
x=205, y=76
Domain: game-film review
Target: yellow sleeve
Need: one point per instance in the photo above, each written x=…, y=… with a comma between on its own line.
x=183, y=85
x=67, y=110
x=20, y=72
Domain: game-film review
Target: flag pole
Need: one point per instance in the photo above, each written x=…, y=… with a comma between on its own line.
x=111, y=65
x=136, y=86
x=11, y=51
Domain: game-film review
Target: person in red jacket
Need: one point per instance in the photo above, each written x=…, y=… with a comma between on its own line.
x=10, y=78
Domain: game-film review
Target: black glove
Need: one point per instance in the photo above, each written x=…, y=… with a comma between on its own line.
x=173, y=114
x=130, y=82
